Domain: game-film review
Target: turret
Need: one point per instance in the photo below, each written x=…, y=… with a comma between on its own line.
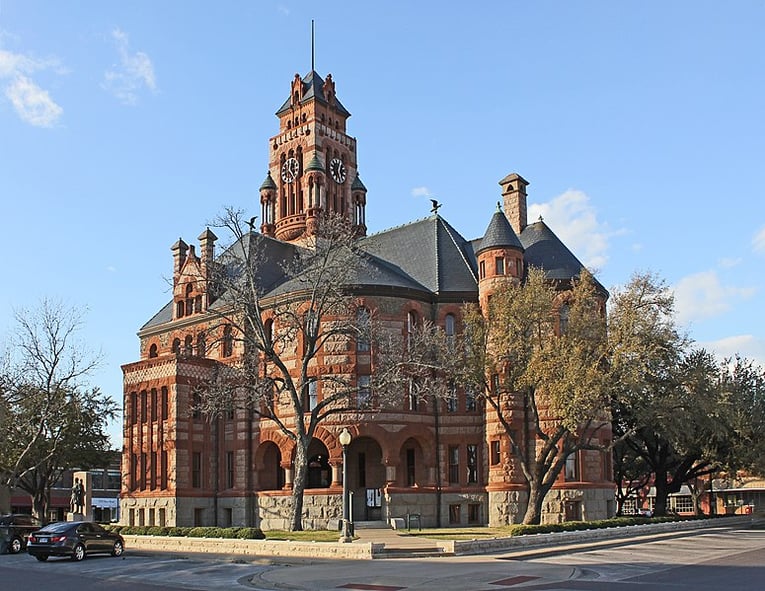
x=499, y=255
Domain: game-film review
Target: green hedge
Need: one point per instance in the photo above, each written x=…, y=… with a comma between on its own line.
x=240, y=533
x=523, y=530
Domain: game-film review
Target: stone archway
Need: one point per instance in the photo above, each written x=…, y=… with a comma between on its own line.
x=319, y=473
x=366, y=478
x=268, y=466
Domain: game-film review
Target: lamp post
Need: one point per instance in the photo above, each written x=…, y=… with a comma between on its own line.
x=345, y=440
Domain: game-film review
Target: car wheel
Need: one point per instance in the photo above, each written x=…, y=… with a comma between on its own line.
x=15, y=546
x=118, y=549
x=78, y=553
x=42, y=557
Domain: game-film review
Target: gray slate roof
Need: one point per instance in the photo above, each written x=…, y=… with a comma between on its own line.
x=313, y=87
x=427, y=256
x=429, y=251
x=499, y=234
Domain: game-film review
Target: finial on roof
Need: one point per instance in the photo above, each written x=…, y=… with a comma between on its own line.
x=251, y=223
x=499, y=206
x=436, y=206
x=312, y=47
x=541, y=219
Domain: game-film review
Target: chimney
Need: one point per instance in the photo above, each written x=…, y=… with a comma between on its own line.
x=179, y=257
x=207, y=246
x=514, y=195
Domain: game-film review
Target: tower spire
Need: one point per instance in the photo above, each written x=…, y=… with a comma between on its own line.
x=312, y=47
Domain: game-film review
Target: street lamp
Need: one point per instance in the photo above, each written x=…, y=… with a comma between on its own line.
x=345, y=440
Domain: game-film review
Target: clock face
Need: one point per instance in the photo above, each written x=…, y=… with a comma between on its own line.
x=290, y=170
x=337, y=170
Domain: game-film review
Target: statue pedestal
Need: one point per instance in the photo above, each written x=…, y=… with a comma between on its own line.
x=75, y=516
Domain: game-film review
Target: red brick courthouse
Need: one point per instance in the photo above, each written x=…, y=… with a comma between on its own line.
x=180, y=469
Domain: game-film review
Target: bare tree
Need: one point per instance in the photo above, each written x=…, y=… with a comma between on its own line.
x=287, y=314
x=51, y=420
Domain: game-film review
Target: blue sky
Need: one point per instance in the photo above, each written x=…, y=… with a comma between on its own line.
x=639, y=125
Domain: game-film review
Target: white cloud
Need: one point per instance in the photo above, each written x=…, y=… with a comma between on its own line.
x=729, y=262
x=746, y=345
x=32, y=103
x=421, y=192
x=574, y=220
x=758, y=242
x=134, y=72
x=702, y=295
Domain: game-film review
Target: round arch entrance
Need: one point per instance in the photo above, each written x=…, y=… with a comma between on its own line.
x=366, y=479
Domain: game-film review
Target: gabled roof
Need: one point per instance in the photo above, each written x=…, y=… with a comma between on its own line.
x=313, y=88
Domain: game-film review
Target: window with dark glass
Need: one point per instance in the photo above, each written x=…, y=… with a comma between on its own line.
x=572, y=468
x=143, y=406
x=499, y=266
x=452, y=399
x=454, y=464
x=495, y=452
x=410, y=468
x=196, y=469
x=229, y=469
x=165, y=403
x=472, y=463
x=153, y=404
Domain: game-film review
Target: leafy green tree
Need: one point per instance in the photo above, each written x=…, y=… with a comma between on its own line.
x=531, y=360
x=678, y=411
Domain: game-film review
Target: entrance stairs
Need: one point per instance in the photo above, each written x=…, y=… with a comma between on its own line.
x=397, y=544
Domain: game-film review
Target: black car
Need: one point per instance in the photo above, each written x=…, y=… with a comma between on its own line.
x=74, y=539
x=15, y=528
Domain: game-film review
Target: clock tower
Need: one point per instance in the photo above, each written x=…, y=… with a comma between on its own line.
x=312, y=163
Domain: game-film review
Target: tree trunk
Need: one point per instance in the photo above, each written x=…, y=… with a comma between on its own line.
x=533, y=514
x=662, y=493
x=300, y=467
x=40, y=505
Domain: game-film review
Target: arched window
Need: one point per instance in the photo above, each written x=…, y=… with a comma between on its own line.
x=177, y=346
x=188, y=346
x=180, y=308
x=189, y=300
x=362, y=325
x=449, y=328
x=228, y=342
x=153, y=351
x=198, y=303
x=201, y=344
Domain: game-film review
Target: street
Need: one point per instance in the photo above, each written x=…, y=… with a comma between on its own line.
x=712, y=559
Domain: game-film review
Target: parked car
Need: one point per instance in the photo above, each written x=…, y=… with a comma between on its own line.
x=75, y=539
x=14, y=530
